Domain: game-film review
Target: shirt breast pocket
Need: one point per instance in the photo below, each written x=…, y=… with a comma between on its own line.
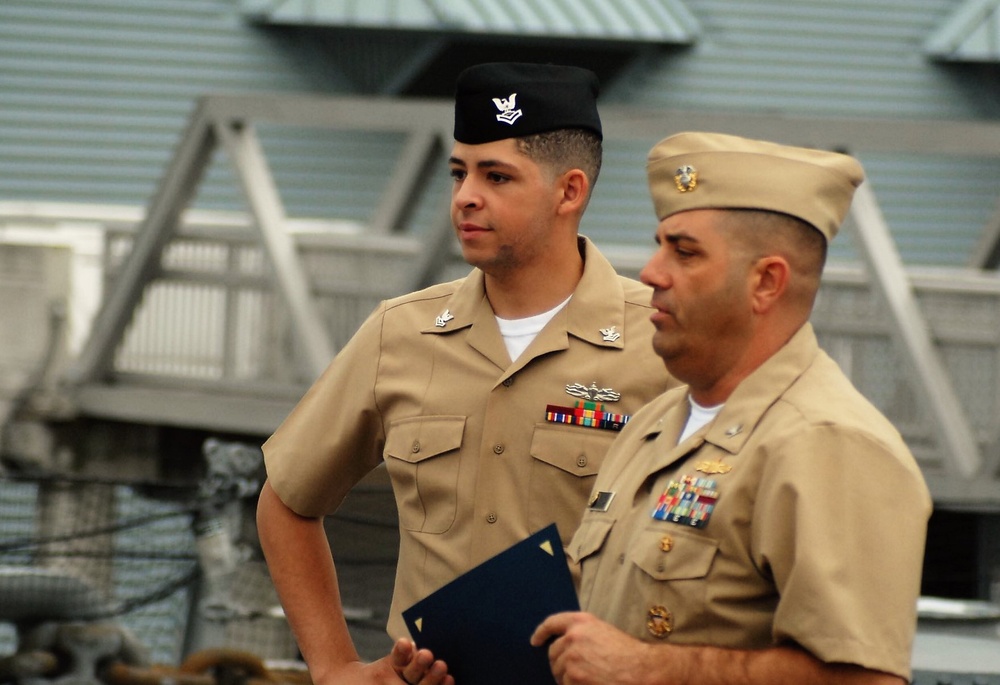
x=564, y=465
x=672, y=569
x=589, y=539
x=665, y=554
x=422, y=456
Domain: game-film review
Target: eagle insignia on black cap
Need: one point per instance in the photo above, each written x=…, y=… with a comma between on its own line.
x=686, y=178
x=556, y=98
x=508, y=114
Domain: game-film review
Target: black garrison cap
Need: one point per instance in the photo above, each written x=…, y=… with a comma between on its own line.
x=508, y=100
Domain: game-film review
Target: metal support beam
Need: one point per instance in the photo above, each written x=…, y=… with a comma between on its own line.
x=407, y=180
x=436, y=251
x=987, y=252
x=176, y=190
x=241, y=144
x=913, y=335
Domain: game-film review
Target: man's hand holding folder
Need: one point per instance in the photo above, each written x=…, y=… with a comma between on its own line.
x=480, y=624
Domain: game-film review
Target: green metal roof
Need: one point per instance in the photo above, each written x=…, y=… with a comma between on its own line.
x=971, y=34
x=650, y=21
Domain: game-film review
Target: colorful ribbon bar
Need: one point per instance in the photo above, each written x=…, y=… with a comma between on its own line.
x=688, y=501
x=589, y=414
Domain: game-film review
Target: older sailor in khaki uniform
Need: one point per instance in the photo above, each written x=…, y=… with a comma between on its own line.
x=492, y=400
x=767, y=524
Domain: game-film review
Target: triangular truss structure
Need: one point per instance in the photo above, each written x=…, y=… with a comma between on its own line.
x=971, y=34
x=227, y=122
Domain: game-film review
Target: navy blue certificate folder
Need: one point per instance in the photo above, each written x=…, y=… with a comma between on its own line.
x=480, y=623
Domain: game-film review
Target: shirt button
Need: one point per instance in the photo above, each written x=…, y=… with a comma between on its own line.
x=659, y=621
x=415, y=447
x=666, y=543
x=621, y=558
x=498, y=448
x=581, y=461
x=491, y=517
x=507, y=382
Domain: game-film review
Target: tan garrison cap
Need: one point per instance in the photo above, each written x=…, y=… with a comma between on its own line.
x=719, y=171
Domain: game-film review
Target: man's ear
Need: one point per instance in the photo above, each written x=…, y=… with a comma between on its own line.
x=770, y=280
x=575, y=187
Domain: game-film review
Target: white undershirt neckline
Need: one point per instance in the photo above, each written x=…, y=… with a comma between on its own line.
x=518, y=333
x=699, y=416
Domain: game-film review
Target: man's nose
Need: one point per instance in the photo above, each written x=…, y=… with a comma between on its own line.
x=466, y=195
x=655, y=273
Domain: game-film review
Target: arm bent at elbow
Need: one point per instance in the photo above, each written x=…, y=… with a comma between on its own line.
x=298, y=557
x=588, y=651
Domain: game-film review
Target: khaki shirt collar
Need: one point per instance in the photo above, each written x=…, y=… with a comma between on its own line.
x=744, y=409
x=761, y=389
x=597, y=303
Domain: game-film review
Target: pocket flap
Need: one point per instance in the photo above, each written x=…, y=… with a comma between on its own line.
x=668, y=554
x=423, y=437
x=589, y=538
x=578, y=451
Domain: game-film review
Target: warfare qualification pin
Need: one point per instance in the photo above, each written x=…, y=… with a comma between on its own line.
x=717, y=467
x=686, y=178
x=593, y=393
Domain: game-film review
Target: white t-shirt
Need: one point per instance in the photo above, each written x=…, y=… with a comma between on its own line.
x=698, y=417
x=518, y=333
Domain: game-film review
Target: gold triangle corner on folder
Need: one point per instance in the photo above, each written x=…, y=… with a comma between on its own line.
x=547, y=546
x=419, y=623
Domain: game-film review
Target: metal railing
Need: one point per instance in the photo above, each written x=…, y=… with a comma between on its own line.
x=224, y=326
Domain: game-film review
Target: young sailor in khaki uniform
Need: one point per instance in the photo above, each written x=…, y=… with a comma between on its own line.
x=767, y=524
x=491, y=400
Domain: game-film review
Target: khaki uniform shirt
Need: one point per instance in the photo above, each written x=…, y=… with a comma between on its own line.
x=426, y=385
x=796, y=515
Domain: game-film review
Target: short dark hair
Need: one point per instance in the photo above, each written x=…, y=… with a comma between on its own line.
x=762, y=232
x=564, y=149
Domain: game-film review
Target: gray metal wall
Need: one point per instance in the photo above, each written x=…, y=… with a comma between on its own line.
x=829, y=57
x=95, y=93
x=851, y=58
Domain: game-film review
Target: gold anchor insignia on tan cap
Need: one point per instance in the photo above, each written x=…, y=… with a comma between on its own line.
x=686, y=178
x=443, y=318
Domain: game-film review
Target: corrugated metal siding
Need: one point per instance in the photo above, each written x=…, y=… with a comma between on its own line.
x=96, y=92
x=832, y=58
x=936, y=206
x=840, y=57
x=662, y=21
x=620, y=211
x=330, y=174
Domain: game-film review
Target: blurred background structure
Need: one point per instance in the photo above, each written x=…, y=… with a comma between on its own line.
x=200, y=201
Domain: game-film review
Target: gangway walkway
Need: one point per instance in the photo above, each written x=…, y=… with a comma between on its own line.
x=222, y=327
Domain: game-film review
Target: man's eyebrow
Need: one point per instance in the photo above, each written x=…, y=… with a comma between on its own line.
x=484, y=164
x=674, y=238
